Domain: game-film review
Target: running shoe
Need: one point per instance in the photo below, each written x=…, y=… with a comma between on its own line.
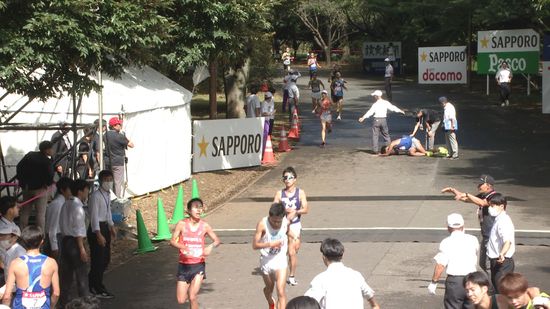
x=291, y=280
x=338, y=118
x=103, y=294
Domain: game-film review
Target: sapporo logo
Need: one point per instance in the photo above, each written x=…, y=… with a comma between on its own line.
x=231, y=145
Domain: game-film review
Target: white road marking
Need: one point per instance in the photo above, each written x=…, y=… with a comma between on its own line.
x=379, y=229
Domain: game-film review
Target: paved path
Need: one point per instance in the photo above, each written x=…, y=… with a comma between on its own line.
x=388, y=211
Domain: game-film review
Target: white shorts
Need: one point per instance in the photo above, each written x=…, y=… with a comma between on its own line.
x=316, y=95
x=416, y=143
x=296, y=228
x=271, y=263
x=326, y=117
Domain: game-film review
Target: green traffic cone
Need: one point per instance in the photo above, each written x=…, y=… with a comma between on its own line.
x=144, y=243
x=178, y=209
x=163, y=231
x=195, y=190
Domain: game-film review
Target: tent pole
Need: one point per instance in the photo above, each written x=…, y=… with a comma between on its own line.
x=100, y=125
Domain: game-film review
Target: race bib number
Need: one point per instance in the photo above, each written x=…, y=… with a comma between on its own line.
x=33, y=300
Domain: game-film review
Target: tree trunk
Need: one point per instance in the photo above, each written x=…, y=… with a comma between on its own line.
x=212, y=89
x=235, y=82
x=328, y=48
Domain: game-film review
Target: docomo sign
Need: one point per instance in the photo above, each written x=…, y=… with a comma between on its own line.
x=227, y=143
x=442, y=65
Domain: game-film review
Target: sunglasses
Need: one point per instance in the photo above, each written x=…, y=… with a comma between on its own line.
x=289, y=177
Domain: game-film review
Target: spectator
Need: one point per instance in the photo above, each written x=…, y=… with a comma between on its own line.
x=85, y=164
x=388, y=77
x=35, y=173
x=116, y=144
x=458, y=257
x=515, y=289
x=10, y=248
x=73, y=256
x=61, y=146
x=303, y=302
x=34, y=275
x=95, y=141
x=101, y=233
x=268, y=110
x=380, y=110
x=253, y=105
x=53, y=232
x=504, y=78
x=339, y=286
x=429, y=120
x=9, y=211
x=486, y=190
x=450, y=125
x=501, y=246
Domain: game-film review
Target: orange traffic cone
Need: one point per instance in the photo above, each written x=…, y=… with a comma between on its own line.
x=295, y=129
x=268, y=157
x=283, y=141
x=295, y=114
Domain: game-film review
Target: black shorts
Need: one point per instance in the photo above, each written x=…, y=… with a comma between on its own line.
x=187, y=272
x=336, y=98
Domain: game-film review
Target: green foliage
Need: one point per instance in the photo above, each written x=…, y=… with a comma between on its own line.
x=47, y=47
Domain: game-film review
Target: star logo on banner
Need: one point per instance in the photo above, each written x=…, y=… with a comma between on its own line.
x=203, y=145
x=423, y=57
x=484, y=42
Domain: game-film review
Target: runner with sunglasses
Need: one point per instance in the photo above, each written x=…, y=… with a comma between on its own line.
x=295, y=203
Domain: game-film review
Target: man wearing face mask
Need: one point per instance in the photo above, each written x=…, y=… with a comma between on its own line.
x=502, y=244
x=100, y=233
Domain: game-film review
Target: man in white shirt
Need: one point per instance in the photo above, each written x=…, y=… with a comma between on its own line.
x=380, y=110
x=504, y=78
x=100, y=233
x=502, y=245
x=53, y=233
x=253, y=104
x=388, y=76
x=268, y=110
x=458, y=256
x=73, y=257
x=339, y=286
x=450, y=125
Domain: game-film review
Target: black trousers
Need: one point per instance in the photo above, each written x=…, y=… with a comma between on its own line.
x=71, y=264
x=500, y=269
x=504, y=92
x=455, y=294
x=483, y=253
x=99, y=256
x=387, y=85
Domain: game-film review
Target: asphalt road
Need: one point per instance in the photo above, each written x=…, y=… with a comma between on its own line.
x=389, y=212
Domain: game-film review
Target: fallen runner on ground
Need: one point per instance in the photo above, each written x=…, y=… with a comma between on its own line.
x=411, y=145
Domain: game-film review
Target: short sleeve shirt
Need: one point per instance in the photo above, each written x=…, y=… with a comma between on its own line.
x=115, y=147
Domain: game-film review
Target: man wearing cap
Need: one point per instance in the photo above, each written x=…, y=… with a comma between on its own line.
x=486, y=191
x=457, y=256
x=429, y=120
x=450, y=125
x=268, y=110
x=35, y=173
x=388, y=76
x=114, y=156
x=380, y=110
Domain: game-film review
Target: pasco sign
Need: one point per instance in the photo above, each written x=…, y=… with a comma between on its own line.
x=520, y=48
x=227, y=143
x=442, y=65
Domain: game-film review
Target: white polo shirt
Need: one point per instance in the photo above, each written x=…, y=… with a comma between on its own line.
x=340, y=287
x=458, y=252
x=380, y=109
x=504, y=76
x=503, y=230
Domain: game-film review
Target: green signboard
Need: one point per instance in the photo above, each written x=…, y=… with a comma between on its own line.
x=519, y=62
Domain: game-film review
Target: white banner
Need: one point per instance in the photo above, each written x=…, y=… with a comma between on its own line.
x=546, y=87
x=442, y=65
x=507, y=41
x=227, y=143
x=381, y=50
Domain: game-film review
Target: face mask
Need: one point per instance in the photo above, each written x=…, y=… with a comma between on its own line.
x=107, y=185
x=5, y=244
x=493, y=211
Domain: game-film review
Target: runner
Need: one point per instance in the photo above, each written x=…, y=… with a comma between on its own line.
x=188, y=237
x=34, y=275
x=325, y=117
x=295, y=203
x=315, y=85
x=338, y=86
x=271, y=239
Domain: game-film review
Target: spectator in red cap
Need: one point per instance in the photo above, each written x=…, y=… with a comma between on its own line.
x=114, y=156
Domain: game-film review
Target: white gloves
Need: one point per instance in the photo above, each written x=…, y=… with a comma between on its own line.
x=432, y=287
x=541, y=301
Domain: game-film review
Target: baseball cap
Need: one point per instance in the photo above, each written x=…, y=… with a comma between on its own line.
x=377, y=93
x=7, y=228
x=268, y=95
x=114, y=121
x=324, y=91
x=486, y=179
x=455, y=220
x=387, y=59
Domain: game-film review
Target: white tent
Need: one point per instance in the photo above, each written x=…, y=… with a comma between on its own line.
x=157, y=118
